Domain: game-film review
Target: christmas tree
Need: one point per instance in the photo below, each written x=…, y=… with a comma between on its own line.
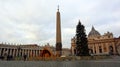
x=81, y=41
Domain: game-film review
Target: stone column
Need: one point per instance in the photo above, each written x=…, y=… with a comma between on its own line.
x=93, y=49
x=102, y=48
x=35, y=53
x=13, y=53
x=16, y=53
x=20, y=51
x=0, y=51
x=97, y=49
x=38, y=52
x=24, y=52
x=28, y=53
x=10, y=51
x=5, y=53
x=31, y=53
x=107, y=47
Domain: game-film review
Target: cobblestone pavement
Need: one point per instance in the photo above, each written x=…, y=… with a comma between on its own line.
x=115, y=62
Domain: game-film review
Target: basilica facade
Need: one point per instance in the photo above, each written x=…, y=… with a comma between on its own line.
x=99, y=44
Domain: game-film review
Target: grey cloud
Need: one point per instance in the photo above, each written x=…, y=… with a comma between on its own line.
x=33, y=21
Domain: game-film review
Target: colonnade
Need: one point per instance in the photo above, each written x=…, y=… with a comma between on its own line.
x=16, y=52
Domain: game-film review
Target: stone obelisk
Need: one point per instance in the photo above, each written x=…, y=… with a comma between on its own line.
x=58, y=34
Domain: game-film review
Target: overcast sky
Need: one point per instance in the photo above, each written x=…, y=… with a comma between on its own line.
x=33, y=21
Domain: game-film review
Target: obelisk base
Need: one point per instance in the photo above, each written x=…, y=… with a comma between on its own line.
x=58, y=49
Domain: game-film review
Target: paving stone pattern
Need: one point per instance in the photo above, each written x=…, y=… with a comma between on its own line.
x=60, y=63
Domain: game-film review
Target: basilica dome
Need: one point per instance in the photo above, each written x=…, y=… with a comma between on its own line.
x=93, y=33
